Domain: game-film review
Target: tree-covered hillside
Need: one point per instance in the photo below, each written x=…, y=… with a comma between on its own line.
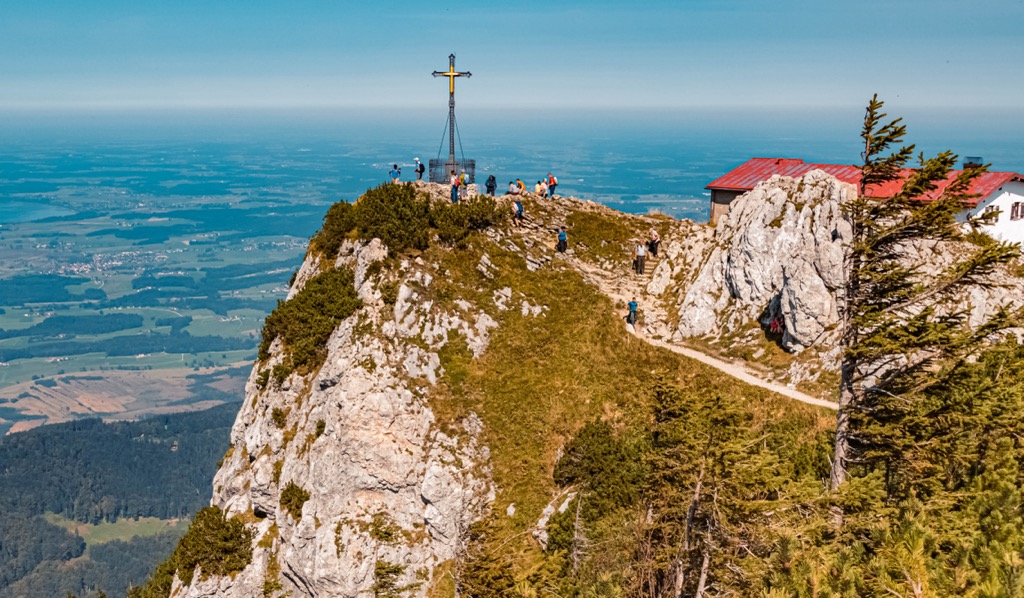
x=91, y=472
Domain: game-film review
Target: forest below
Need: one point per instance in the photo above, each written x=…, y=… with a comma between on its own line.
x=92, y=472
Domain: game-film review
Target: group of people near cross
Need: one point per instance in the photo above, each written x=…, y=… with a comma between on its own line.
x=544, y=188
x=460, y=185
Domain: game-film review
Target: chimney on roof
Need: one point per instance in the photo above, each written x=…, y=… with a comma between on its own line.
x=973, y=161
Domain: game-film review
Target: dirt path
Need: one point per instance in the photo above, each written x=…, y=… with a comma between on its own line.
x=625, y=287
x=741, y=373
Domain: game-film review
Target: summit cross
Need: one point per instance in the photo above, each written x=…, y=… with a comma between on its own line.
x=451, y=73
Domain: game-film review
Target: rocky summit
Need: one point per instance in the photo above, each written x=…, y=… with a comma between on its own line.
x=439, y=406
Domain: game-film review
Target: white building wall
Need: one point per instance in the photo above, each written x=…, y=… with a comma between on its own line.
x=1003, y=198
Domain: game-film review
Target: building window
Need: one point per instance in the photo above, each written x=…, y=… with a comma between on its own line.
x=1017, y=210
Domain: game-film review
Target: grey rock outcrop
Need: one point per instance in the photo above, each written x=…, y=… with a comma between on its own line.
x=778, y=254
x=384, y=483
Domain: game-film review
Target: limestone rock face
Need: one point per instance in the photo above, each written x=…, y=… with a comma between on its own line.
x=777, y=257
x=778, y=254
x=384, y=484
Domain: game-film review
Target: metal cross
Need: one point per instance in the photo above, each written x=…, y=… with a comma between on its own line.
x=451, y=73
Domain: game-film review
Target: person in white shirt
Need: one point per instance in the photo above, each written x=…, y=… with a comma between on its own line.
x=640, y=257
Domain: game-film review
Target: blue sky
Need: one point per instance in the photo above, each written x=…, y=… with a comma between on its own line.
x=78, y=54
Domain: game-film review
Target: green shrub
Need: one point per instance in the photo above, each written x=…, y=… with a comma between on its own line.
x=292, y=499
x=454, y=222
x=385, y=580
x=262, y=378
x=339, y=221
x=220, y=546
x=279, y=417
x=282, y=370
x=404, y=219
x=321, y=426
x=383, y=528
x=486, y=573
x=395, y=214
x=306, y=321
x=389, y=292
x=606, y=469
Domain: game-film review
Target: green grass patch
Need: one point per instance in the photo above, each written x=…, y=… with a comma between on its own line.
x=122, y=529
x=605, y=235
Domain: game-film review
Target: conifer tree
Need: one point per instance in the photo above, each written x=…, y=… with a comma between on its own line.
x=708, y=483
x=903, y=327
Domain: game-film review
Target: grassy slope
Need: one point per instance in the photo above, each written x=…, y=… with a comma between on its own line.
x=122, y=529
x=543, y=377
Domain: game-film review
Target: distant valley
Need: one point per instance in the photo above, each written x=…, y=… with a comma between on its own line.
x=146, y=292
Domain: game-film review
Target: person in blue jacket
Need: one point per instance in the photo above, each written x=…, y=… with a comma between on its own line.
x=631, y=316
x=563, y=240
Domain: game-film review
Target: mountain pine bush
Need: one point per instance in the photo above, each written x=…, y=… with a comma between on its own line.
x=305, y=322
x=217, y=545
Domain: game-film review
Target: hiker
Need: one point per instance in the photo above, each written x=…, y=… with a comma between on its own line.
x=491, y=185
x=455, y=187
x=463, y=185
x=521, y=185
x=654, y=242
x=395, y=174
x=540, y=190
x=512, y=188
x=631, y=316
x=563, y=240
x=419, y=170
x=640, y=257
x=517, y=212
x=552, y=183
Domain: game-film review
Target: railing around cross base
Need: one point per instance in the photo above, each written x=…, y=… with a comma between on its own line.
x=441, y=170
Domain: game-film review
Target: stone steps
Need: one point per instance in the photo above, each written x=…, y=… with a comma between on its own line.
x=649, y=266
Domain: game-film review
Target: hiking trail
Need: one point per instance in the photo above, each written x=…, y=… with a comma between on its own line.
x=620, y=284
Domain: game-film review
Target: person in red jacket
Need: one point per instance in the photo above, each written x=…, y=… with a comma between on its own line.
x=552, y=183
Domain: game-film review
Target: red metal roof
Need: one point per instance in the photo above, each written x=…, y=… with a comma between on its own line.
x=746, y=176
